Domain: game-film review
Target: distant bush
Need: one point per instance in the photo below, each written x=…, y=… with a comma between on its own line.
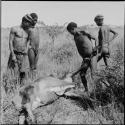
x=54, y=31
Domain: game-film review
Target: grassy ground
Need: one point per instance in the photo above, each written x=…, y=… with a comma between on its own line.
x=58, y=56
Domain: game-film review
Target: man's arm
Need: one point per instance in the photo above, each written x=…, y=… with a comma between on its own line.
x=11, y=37
x=115, y=34
x=28, y=41
x=95, y=48
x=92, y=37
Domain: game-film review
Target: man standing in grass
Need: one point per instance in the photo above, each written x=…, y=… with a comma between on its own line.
x=104, y=39
x=86, y=50
x=19, y=43
x=33, y=51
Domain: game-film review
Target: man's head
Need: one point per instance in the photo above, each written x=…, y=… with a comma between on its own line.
x=29, y=20
x=22, y=96
x=71, y=28
x=17, y=101
x=99, y=20
x=34, y=17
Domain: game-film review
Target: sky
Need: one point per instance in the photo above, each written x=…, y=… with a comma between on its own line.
x=60, y=12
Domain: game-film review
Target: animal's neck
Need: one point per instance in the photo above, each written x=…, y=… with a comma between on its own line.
x=68, y=79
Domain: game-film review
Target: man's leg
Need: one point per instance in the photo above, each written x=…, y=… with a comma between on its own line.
x=23, y=65
x=84, y=81
x=36, y=58
x=93, y=65
x=12, y=66
x=32, y=61
x=31, y=56
x=21, y=69
x=94, y=75
x=105, y=58
x=84, y=67
x=106, y=55
x=22, y=78
x=99, y=54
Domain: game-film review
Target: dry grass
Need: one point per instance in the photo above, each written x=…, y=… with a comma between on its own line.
x=58, y=56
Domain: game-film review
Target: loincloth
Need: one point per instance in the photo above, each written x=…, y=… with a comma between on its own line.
x=22, y=61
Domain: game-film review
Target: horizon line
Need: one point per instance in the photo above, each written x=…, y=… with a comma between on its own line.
x=63, y=25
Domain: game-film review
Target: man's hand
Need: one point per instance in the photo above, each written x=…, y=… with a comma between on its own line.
x=115, y=34
x=95, y=50
x=14, y=58
x=29, y=47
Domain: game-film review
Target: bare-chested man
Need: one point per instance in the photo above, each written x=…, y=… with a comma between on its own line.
x=104, y=39
x=86, y=50
x=33, y=51
x=18, y=44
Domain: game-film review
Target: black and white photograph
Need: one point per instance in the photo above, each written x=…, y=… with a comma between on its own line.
x=62, y=62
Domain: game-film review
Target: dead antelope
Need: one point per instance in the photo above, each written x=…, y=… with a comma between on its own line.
x=41, y=92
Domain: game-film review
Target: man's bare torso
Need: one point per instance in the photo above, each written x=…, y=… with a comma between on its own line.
x=104, y=34
x=34, y=38
x=84, y=44
x=20, y=39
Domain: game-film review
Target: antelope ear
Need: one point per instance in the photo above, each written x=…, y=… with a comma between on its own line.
x=22, y=93
x=25, y=97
